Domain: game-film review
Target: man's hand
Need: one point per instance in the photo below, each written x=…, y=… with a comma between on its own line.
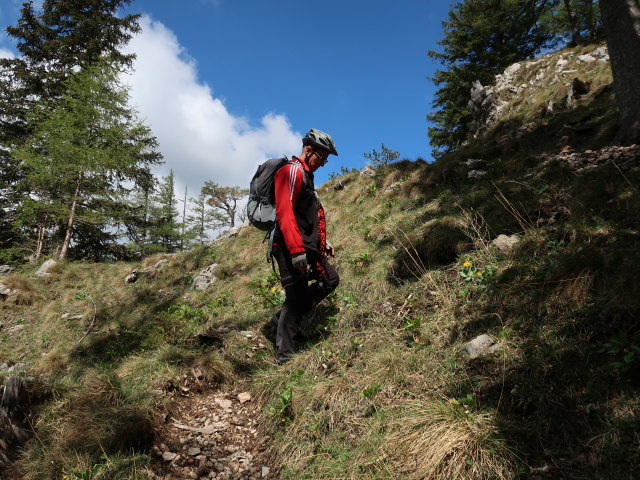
x=300, y=263
x=328, y=248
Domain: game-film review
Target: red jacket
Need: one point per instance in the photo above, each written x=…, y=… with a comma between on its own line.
x=295, y=209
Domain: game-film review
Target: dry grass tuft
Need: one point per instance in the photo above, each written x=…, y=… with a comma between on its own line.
x=443, y=441
x=99, y=419
x=212, y=367
x=24, y=292
x=54, y=362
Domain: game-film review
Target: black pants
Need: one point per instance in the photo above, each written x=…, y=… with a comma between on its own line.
x=300, y=297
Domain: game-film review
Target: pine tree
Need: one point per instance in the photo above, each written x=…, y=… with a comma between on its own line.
x=54, y=42
x=574, y=22
x=137, y=222
x=201, y=219
x=82, y=153
x=164, y=232
x=481, y=38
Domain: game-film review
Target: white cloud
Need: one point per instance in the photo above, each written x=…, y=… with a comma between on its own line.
x=4, y=53
x=199, y=138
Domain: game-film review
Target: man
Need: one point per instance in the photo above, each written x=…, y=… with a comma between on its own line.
x=299, y=243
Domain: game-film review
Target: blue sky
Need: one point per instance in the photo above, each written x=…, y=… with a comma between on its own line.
x=225, y=84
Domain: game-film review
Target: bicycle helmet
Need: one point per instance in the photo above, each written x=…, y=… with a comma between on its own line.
x=319, y=139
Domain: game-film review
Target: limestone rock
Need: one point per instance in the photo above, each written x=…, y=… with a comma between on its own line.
x=160, y=263
x=475, y=162
x=205, y=278
x=586, y=58
x=5, y=270
x=232, y=232
x=132, y=277
x=193, y=451
x=505, y=243
x=476, y=174
x=168, y=456
x=4, y=290
x=46, y=268
x=481, y=345
x=244, y=397
x=368, y=171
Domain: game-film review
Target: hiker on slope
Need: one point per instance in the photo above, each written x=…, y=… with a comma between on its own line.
x=300, y=246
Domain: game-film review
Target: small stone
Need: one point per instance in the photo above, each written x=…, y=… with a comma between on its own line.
x=224, y=403
x=244, y=397
x=265, y=471
x=480, y=345
x=505, y=244
x=169, y=456
x=193, y=451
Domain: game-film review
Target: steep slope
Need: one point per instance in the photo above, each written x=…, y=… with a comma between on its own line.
x=383, y=386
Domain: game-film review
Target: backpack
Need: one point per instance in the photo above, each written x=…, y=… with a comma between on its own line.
x=261, y=207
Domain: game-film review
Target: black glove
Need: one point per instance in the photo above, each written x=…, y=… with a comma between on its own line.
x=299, y=261
x=328, y=248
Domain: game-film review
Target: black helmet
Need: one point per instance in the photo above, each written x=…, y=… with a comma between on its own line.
x=319, y=139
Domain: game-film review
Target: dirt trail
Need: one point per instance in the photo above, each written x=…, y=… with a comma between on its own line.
x=211, y=435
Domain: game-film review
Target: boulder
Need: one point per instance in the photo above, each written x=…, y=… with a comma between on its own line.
x=5, y=270
x=505, y=244
x=205, y=278
x=132, y=277
x=577, y=88
x=479, y=346
x=368, y=171
x=481, y=104
x=46, y=268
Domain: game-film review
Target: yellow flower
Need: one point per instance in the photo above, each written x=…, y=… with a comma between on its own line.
x=466, y=264
x=479, y=274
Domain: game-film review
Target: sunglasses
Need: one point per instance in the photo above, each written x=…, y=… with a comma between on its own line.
x=323, y=160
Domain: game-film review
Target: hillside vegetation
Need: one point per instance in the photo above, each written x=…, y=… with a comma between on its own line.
x=380, y=387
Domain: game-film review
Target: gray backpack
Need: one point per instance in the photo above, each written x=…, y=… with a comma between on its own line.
x=261, y=208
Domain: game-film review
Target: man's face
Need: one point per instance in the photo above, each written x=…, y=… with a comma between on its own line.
x=316, y=159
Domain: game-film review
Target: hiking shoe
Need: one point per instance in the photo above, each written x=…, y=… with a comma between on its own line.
x=282, y=360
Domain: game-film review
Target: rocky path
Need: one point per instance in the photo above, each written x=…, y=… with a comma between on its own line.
x=211, y=435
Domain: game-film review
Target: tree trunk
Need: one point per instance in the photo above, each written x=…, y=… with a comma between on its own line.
x=41, y=232
x=621, y=22
x=72, y=216
x=573, y=23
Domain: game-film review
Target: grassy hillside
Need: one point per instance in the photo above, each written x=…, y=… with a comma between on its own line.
x=380, y=388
